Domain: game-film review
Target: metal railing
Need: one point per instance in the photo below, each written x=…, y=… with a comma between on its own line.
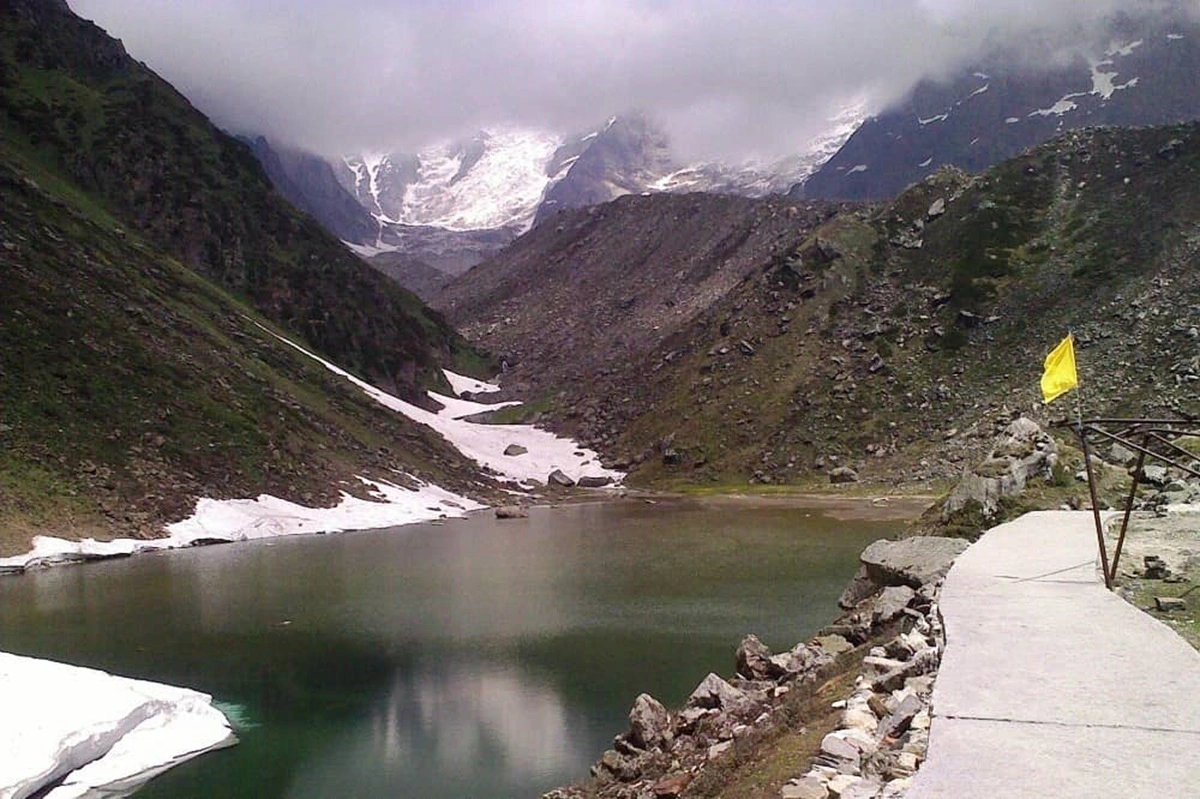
x=1151, y=438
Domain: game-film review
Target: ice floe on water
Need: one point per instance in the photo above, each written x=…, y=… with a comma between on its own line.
x=89, y=733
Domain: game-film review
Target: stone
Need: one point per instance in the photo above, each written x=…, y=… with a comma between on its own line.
x=859, y=588
x=911, y=561
x=623, y=768
x=1022, y=452
x=559, y=478
x=1155, y=475
x=1169, y=604
x=753, y=659
x=1156, y=568
x=860, y=719
x=841, y=783
x=1121, y=455
x=843, y=474
x=805, y=788
x=833, y=645
x=716, y=750
x=839, y=748
x=878, y=705
x=511, y=512
x=689, y=717
x=863, y=789
x=896, y=789
x=649, y=723
x=800, y=658
x=513, y=450
x=594, y=481
x=672, y=785
x=936, y=208
x=892, y=602
x=714, y=692
x=900, y=720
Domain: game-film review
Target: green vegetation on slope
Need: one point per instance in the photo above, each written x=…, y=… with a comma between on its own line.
x=71, y=99
x=129, y=386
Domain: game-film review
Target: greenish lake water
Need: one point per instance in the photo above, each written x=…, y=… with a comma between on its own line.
x=472, y=658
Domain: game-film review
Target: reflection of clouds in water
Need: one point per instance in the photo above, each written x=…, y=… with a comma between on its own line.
x=464, y=714
x=450, y=727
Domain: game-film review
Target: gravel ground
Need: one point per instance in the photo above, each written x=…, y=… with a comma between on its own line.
x=1176, y=539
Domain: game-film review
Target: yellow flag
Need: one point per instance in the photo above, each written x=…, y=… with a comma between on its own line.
x=1059, y=377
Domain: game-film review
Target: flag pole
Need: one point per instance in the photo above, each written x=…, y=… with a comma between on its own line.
x=1087, y=462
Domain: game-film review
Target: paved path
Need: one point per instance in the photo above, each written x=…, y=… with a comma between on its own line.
x=1051, y=686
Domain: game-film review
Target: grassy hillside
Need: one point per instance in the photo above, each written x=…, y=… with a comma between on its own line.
x=894, y=339
x=129, y=385
x=70, y=98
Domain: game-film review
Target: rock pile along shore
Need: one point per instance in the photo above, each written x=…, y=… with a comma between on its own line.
x=883, y=728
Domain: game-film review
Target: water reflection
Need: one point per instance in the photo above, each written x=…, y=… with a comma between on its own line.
x=476, y=658
x=441, y=727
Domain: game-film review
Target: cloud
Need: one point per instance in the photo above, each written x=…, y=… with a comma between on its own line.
x=727, y=77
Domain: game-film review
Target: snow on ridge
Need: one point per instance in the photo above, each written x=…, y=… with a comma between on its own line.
x=502, y=188
x=486, y=443
x=93, y=732
x=462, y=384
x=932, y=119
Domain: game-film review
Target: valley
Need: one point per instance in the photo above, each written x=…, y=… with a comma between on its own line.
x=587, y=411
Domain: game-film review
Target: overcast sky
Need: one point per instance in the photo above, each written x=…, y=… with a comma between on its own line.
x=729, y=78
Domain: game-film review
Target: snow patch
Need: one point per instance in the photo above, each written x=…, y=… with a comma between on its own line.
x=369, y=250
x=926, y=162
x=93, y=731
x=931, y=120
x=1063, y=106
x=858, y=168
x=263, y=517
x=1124, y=49
x=1174, y=37
x=1012, y=120
x=485, y=443
x=462, y=384
x=979, y=91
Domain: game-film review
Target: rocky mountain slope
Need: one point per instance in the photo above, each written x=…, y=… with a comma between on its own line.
x=453, y=205
x=309, y=183
x=73, y=99
x=734, y=340
x=145, y=265
x=1141, y=71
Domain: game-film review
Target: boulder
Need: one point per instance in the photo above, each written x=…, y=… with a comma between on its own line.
x=1155, y=475
x=892, y=602
x=511, y=512
x=911, y=561
x=843, y=474
x=714, y=692
x=798, y=659
x=559, y=478
x=833, y=645
x=1022, y=452
x=672, y=785
x=515, y=449
x=594, y=481
x=753, y=659
x=859, y=588
x=805, y=788
x=649, y=723
x=898, y=722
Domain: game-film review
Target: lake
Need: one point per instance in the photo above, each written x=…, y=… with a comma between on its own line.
x=470, y=658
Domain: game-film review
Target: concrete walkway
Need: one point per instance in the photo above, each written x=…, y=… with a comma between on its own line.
x=1051, y=686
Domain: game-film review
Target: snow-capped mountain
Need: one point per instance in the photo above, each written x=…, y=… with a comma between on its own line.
x=452, y=205
x=1143, y=74
x=507, y=178
x=494, y=180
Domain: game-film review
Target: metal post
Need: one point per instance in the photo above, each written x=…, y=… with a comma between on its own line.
x=1087, y=461
x=1137, y=476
